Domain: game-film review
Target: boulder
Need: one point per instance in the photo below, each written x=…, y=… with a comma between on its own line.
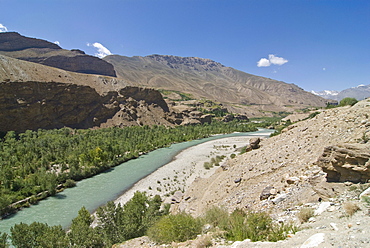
x=267, y=192
x=177, y=196
x=280, y=198
x=292, y=180
x=346, y=162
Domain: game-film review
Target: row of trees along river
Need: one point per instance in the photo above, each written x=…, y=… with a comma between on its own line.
x=37, y=164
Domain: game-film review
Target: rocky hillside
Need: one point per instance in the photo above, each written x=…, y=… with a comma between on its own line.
x=319, y=163
x=203, y=78
x=35, y=96
x=43, y=52
x=330, y=147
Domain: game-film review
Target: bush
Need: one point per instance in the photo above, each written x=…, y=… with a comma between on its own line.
x=175, y=228
x=350, y=208
x=240, y=225
x=216, y=217
x=305, y=214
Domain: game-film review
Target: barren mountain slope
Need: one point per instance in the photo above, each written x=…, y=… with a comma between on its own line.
x=15, y=70
x=44, y=52
x=36, y=96
x=241, y=92
x=290, y=163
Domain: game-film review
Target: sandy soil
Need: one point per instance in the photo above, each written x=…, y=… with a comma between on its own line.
x=186, y=167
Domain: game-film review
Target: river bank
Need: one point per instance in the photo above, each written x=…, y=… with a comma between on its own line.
x=170, y=180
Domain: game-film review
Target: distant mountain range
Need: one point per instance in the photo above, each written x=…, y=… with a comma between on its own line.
x=360, y=92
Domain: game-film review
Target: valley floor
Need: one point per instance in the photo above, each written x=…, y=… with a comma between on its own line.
x=172, y=179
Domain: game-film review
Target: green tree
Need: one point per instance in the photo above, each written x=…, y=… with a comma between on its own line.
x=135, y=211
x=110, y=223
x=81, y=234
x=348, y=101
x=38, y=235
x=3, y=240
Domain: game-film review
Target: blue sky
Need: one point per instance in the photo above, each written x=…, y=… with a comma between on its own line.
x=314, y=44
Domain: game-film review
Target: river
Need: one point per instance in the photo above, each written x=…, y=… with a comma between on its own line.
x=98, y=190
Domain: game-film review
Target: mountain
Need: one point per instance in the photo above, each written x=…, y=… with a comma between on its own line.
x=360, y=92
x=327, y=94
x=35, y=96
x=14, y=45
x=240, y=92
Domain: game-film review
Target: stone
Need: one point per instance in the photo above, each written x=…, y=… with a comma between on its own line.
x=322, y=207
x=334, y=226
x=238, y=180
x=280, y=198
x=254, y=143
x=292, y=180
x=365, y=193
x=314, y=241
x=266, y=193
x=177, y=196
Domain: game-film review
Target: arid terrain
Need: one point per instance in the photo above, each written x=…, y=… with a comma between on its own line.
x=294, y=170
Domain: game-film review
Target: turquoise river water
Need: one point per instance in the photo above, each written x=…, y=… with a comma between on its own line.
x=98, y=190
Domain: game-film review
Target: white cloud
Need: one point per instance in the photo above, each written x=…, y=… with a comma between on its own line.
x=3, y=28
x=57, y=42
x=263, y=62
x=102, y=50
x=324, y=69
x=272, y=60
x=277, y=60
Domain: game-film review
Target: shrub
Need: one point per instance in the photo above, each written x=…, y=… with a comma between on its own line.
x=305, y=214
x=207, y=165
x=216, y=217
x=240, y=225
x=350, y=208
x=175, y=228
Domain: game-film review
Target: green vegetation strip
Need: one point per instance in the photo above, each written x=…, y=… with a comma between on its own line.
x=36, y=164
x=147, y=216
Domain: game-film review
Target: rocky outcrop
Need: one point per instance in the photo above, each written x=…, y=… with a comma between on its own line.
x=43, y=52
x=150, y=96
x=346, y=162
x=33, y=105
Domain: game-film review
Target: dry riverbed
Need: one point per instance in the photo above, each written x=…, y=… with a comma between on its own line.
x=186, y=167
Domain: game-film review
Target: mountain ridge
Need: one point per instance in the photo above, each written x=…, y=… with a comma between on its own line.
x=204, y=78
x=40, y=51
